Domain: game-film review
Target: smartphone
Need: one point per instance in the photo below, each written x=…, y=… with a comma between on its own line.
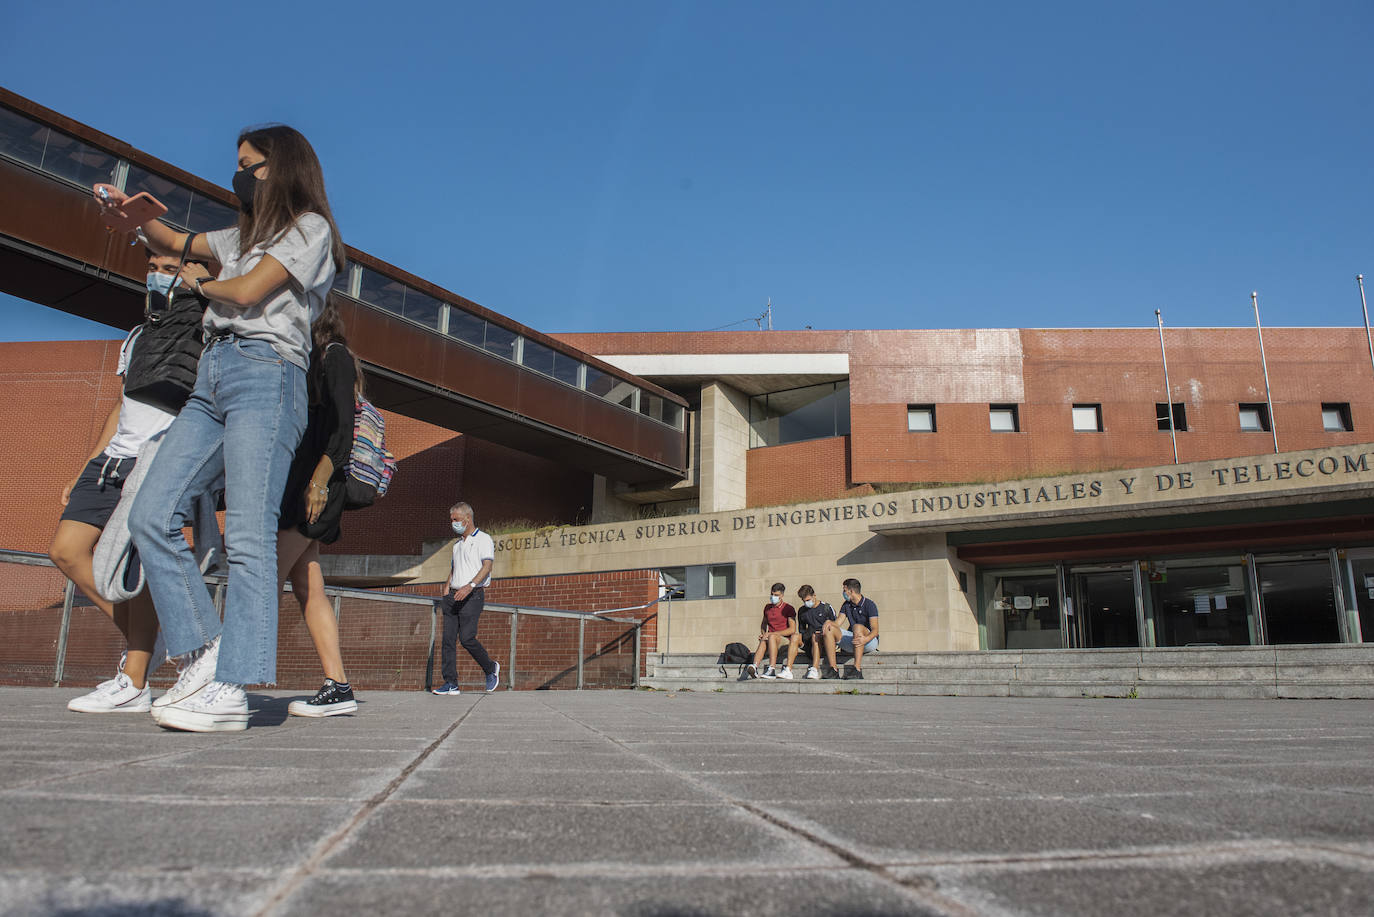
x=134, y=212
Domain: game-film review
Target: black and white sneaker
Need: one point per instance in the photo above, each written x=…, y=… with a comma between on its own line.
x=331, y=700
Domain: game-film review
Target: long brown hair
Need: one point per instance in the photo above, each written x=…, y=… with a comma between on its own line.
x=294, y=186
x=329, y=329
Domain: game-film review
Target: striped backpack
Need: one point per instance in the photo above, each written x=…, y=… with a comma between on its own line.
x=370, y=467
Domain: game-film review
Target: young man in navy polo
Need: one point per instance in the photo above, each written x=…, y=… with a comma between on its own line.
x=856, y=631
x=779, y=624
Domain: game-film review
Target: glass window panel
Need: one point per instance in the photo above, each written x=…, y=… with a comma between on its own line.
x=1336, y=418
x=1087, y=418
x=174, y=196
x=22, y=138
x=1002, y=418
x=466, y=327
x=343, y=281
x=538, y=357
x=1362, y=574
x=673, y=582
x=920, y=418
x=1200, y=606
x=672, y=415
x=599, y=383
x=842, y=408
x=1254, y=418
x=565, y=368
x=651, y=405
x=720, y=581
x=419, y=307
x=209, y=214
x=381, y=291
x=500, y=341
x=73, y=160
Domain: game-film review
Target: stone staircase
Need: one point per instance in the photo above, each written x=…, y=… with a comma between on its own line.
x=1309, y=671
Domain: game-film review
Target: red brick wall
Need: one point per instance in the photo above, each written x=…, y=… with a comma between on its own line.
x=1210, y=369
x=58, y=394
x=813, y=470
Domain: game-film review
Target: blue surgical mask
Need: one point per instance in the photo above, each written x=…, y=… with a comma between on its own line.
x=773, y=599
x=810, y=603
x=159, y=282
x=459, y=528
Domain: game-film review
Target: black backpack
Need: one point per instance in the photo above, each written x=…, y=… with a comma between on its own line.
x=734, y=653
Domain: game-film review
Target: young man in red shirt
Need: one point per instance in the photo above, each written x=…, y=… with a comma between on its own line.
x=779, y=624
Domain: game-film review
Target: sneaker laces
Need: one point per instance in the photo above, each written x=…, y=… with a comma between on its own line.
x=212, y=692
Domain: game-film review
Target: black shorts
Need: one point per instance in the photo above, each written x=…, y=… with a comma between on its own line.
x=97, y=491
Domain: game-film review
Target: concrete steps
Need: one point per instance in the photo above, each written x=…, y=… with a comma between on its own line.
x=1308, y=671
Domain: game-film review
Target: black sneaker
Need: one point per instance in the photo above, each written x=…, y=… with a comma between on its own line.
x=854, y=673
x=830, y=672
x=331, y=700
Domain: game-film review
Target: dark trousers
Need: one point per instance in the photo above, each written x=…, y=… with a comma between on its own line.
x=460, y=626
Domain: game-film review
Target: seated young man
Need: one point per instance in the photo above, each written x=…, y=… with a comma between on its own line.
x=779, y=624
x=811, y=621
x=855, y=632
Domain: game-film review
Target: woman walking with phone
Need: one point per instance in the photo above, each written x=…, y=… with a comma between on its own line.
x=242, y=423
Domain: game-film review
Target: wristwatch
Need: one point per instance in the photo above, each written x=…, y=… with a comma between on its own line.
x=199, y=281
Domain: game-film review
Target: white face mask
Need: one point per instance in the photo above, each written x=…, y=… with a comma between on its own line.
x=459, y=528
x=774, y=599
x=810, y=603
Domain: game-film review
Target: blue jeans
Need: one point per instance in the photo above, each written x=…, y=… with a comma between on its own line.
x=242, y=423
x=847, y=643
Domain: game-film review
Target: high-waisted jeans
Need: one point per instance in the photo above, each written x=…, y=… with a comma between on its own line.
x=242, y=423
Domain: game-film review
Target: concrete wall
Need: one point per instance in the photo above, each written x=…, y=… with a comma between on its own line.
x=724, y=443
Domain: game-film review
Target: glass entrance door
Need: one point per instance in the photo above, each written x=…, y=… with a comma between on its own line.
x=1103, y=609
x=1023, y=610
x=1362, y=589
x=1298, y=600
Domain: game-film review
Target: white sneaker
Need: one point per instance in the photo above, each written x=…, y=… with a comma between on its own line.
x=769, y=673
x=751, y=670
x=220, y=707
x=118, y=695
x=197, y=674
x=812, y=673
x=786, y=673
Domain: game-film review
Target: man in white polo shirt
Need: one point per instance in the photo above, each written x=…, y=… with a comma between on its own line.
x=473, y=553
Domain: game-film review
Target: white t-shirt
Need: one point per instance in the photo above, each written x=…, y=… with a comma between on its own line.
x=468, y=554
x=138, y=422
x=306, y=251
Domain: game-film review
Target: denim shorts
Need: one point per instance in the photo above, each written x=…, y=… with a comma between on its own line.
x=97, y=491
x=847, y=643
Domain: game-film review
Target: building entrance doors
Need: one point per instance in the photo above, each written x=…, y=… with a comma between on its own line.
x=1102, y=608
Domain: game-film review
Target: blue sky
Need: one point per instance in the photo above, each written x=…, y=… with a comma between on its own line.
x=673, y=165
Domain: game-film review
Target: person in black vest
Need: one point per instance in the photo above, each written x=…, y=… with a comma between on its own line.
x=313, y=503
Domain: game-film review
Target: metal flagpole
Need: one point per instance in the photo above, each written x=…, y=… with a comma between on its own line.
x=1359, y=281
x=1168, y=394
x=1268, y=396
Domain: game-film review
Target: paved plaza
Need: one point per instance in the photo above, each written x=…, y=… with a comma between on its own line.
x=654, y=803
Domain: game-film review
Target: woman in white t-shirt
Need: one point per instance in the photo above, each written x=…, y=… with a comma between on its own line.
x=242, y=424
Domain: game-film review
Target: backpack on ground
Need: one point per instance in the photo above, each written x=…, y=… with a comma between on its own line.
x=370, y=466
x=735, y=653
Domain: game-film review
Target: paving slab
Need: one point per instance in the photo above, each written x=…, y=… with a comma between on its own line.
x=653, y=803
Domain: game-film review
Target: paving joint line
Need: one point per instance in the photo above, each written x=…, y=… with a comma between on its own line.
x=924, y=890
x=296, y=879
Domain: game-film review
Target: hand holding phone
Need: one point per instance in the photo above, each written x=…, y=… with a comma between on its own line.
x=124, y=213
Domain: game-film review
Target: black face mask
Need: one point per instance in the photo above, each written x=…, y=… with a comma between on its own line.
x=246, y=184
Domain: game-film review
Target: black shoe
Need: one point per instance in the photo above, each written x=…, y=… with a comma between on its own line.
x=830, y=672
x=331, y=700
x=854, y=673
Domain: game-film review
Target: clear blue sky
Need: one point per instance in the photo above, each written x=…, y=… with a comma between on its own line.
x=646, y=165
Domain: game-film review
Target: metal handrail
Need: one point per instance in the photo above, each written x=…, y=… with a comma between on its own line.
x=35, y=559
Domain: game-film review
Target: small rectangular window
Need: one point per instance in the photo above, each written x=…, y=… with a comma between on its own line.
x=920, y=418
x=673, y=582
x=1254, y=418
x=1003, y=418
x=1180, y=417
x=720, y=581
x=1087, y=418
x=1336, y=417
